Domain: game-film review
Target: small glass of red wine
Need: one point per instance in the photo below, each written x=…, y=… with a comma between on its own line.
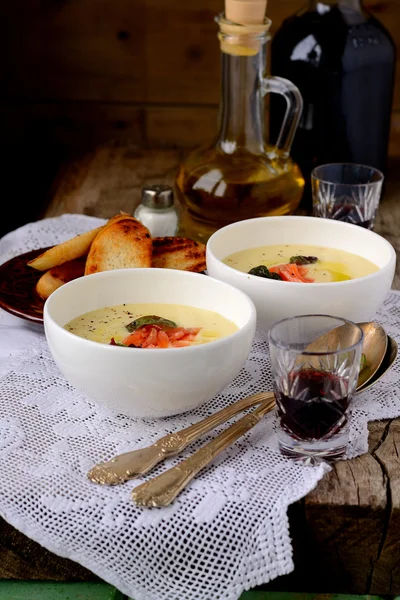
x=347, y=192
x=313, y=386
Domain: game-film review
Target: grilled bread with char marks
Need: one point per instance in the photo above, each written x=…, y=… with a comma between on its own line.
x=124, y=244
x=179, y=253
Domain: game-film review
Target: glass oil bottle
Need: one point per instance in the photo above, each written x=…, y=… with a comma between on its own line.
x=239, y=175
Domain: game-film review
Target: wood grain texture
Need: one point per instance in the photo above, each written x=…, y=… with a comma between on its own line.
x=73, y=126
x=111, y=176
x=82, y=73
x=153, y=51
x=85, y=125
x=347, y=514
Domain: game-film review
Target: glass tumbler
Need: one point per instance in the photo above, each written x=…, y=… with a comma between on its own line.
x=347, y=192
x=315, y=362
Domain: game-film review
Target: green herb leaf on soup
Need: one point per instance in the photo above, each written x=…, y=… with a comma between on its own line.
x=263, y=271
x=150, y=320
x=303, y=260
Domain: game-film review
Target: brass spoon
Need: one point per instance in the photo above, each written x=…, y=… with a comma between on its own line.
x=163, y=489
x=374, y=348
x=386, y=364
x=138, y=462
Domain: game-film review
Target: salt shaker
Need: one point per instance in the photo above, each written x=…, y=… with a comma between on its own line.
x=157, y=211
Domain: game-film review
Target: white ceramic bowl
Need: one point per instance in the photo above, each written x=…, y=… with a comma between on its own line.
x=355, y=299
x=143, y=382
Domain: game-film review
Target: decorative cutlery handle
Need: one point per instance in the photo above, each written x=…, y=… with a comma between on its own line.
x=163, y=489
x=138, y=462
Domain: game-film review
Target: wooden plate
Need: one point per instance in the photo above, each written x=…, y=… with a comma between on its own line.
x=17, y=287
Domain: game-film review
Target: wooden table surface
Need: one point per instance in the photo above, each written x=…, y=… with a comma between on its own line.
x=346, y=532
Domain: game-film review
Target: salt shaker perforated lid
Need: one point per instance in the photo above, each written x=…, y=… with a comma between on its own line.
x=157, y=196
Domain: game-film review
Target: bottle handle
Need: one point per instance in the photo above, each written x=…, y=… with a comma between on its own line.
x=294, y=108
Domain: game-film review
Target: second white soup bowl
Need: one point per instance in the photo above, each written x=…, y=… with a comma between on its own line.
x=142, y=382
x=355, y=299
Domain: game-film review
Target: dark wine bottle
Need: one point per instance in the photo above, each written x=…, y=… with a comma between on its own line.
x=342, y=59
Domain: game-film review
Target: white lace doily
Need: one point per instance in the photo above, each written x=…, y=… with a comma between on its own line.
x=226, y=533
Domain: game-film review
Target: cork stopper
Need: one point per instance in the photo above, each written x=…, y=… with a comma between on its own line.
x=246, y=12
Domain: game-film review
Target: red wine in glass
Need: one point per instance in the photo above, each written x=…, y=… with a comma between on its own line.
x=350, y=213
x=316, y=406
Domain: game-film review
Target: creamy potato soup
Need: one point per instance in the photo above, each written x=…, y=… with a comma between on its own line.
x=151, y=325
x=301, y=263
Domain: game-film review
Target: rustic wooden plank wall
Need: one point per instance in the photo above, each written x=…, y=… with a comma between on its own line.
x=80, y=72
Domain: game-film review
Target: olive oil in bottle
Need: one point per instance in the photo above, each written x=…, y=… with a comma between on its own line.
x=239, y=176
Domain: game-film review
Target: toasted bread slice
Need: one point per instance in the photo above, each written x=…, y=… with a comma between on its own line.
x=66, y=251
x=73, y=248
x=124, y=244
x=179, y=253
x=121, y=216
x=57, y=276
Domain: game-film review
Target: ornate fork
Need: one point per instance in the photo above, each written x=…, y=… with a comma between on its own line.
x=138, y=462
